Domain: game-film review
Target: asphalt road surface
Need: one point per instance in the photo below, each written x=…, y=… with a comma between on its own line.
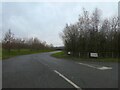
x=44, y=71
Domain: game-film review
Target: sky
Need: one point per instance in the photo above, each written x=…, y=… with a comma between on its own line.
x=46, y=20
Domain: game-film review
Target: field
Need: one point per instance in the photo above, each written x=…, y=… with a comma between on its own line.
x=6, y=54
x=67, y=57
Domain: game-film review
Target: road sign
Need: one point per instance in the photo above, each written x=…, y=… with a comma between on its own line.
x=93, y=54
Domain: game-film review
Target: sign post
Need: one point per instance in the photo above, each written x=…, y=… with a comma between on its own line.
x=69, y=53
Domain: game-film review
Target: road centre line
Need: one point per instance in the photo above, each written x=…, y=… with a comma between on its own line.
x=100, y=68
x=69, y=81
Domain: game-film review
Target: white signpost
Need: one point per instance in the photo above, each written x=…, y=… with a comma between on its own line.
x=69, y=53
x=93, y=54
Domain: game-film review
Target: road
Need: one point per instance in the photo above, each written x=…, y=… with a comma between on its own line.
x=0, y=73
x=44, y=71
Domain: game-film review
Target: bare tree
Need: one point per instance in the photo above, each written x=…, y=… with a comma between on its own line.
x=8, y=40
x=90, y=34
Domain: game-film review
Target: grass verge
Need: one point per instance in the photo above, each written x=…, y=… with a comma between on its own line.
x=60, y=55
x=67, y=57
x=6, y=54
x=0, y=53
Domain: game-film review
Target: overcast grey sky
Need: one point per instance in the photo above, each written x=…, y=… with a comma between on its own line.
x=46, y=20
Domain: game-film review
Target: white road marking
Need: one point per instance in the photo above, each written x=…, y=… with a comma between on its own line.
x=100, y=68
x=69, y=81
x=104, y=68
x=87, y=65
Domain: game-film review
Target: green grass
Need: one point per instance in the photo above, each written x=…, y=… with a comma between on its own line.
x=59, y=55
x=5, y=53
x=67, y=57
x=0, y=53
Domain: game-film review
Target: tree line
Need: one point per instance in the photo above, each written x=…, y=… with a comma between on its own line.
x=10, y=42
x=92, y=33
